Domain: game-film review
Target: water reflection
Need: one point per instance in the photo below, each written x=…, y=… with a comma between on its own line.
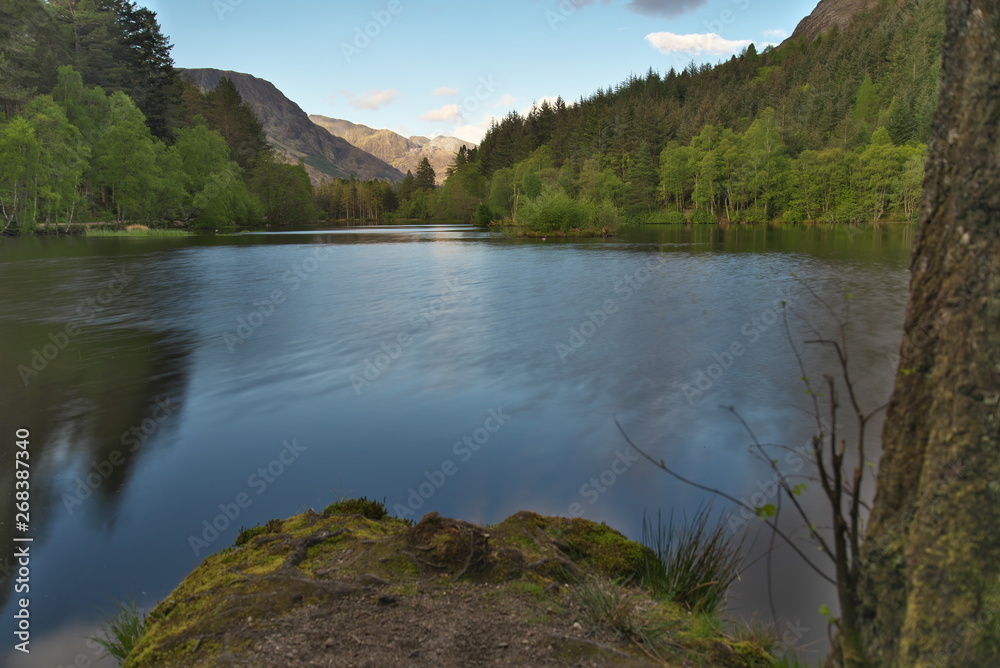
x=380, y=351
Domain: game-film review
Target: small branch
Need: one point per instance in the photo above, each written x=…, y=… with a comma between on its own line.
x=723, y=495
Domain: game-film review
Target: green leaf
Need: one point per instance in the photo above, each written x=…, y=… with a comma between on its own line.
x=765, y=512
x=799, y=489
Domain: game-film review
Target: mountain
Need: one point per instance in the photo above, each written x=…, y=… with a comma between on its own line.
x=830, y=13
x=291, y=132
x=401, y=152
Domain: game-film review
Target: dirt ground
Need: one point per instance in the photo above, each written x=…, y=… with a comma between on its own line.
x=466, y=625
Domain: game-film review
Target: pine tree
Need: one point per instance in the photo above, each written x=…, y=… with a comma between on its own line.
x=425, y=179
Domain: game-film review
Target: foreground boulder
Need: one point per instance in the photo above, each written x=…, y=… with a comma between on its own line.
x=347, y=590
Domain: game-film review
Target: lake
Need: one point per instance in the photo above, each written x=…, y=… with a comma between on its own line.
x=176, y=390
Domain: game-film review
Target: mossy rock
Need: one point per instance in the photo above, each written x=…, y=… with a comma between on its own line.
x=315, y=562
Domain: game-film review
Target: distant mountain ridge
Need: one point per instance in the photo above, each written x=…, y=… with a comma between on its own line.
x=294, y=136
x=403, y=153
x=830, y=13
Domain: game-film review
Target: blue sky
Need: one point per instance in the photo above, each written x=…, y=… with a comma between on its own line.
x=426, y=67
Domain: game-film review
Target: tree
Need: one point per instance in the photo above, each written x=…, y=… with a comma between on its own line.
x=931, y=585
x=408, y=186
x=641, y=179
x=878, y=172
x=676, y=176
x=461, y=194
x=23, y=24
x=149, y=77
x=225, y=111
x=124, y=163
x=225, y=201
x=285, y=191
x=765, y=164
x=43, y=160
x=203, y=153
x=86, y=107
x=425, y=179
x=19, y=149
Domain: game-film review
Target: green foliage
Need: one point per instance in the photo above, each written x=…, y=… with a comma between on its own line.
x=44, y=159
x=285, y=191
x=774, y=135
x=246, y=535
x=224, y=111
x=425, y=178
x=459, y=198
x=696, y=561
x=554, y=210
x=124, y=163
x=225, y=201
x=122, y=631
x=373, y=510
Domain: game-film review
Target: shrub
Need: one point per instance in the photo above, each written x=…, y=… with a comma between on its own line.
x=554, y=210
x=704, y=217
x=373, y=510
x=696, y=561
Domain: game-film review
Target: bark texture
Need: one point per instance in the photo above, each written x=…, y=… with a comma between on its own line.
x=930, y=586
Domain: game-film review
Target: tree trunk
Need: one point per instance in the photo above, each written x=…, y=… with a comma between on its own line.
x=930, y=582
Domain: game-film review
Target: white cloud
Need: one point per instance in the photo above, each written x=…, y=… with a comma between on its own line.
x=449, y=113
x=375, y=99
x=475, y=132
x=711, y=44
x=507, y=101
x=776, y=33
x=446, y=92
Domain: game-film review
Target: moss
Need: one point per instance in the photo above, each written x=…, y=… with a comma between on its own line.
x=751, y=654
x=222, y=609
x=608, y=550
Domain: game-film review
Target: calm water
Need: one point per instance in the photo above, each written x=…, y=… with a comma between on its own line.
x=173, y=376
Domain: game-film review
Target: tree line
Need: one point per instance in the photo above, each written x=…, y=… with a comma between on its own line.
x=833, y=129
x=95, y=124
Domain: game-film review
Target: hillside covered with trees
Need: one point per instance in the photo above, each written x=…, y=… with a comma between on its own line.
x=832, y=129
x=95, y=124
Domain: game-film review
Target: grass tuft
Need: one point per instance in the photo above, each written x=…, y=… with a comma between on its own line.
x=696, y=561
x=373, y=510
x=246, y=535
x=121, y=632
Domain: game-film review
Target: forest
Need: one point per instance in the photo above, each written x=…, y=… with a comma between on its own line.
x=96, y=125
x=831, y=130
